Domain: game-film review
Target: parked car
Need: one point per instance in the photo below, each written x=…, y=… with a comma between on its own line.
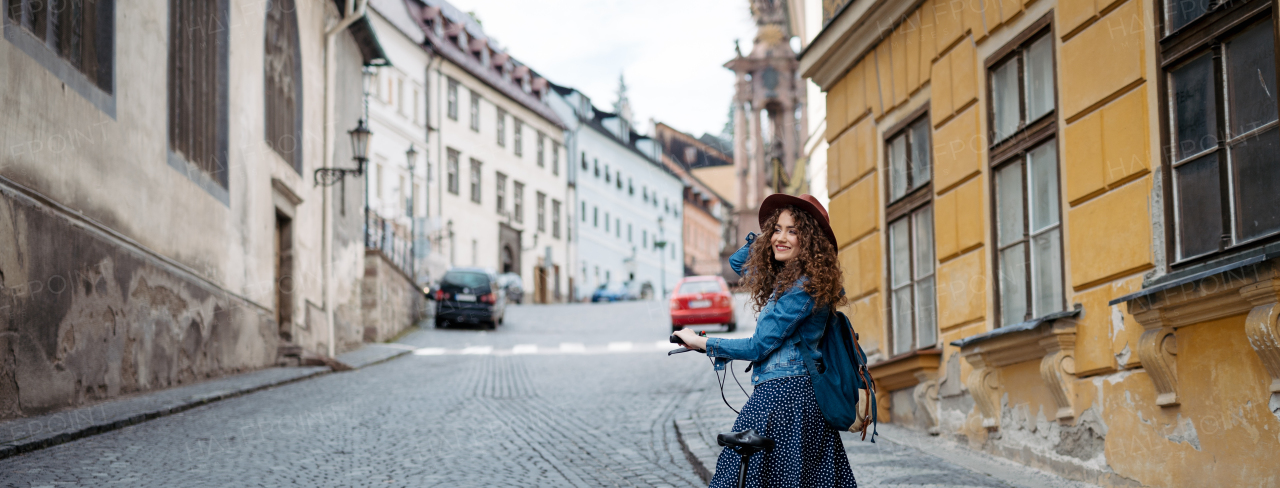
x=470, y=296
x=612, y=292
x=514, y=285
x=699, y=300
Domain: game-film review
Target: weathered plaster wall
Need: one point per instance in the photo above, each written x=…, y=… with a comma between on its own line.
x=84, y=316
x=1224, y=433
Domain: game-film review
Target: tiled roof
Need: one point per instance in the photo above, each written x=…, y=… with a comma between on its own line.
x=419, y=10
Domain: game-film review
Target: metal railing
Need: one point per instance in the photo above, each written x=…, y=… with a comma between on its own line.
x=392, y=239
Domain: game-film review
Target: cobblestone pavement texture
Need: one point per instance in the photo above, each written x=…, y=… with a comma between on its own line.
x=589, y=414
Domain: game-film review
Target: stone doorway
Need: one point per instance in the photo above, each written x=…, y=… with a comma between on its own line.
x=508, y=249
x=284, y=276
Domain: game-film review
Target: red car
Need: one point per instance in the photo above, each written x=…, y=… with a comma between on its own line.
x=701, y=300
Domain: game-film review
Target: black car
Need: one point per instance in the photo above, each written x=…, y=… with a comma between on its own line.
x=470, y=296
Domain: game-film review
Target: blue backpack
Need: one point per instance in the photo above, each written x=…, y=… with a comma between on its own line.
x=838, y=371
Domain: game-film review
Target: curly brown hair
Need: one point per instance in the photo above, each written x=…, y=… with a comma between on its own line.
x=763, y=275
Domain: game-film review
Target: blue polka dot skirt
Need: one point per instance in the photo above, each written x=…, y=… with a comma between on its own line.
x=808, y=452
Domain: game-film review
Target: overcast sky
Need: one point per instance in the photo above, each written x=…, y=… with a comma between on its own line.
x=672, y=52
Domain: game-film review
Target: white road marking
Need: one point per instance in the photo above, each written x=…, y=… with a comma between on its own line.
x=615, y=347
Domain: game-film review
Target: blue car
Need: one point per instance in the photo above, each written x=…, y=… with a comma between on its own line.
x=612, y=293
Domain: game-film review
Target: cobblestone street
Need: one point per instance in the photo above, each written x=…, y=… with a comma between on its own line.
x=576, y=395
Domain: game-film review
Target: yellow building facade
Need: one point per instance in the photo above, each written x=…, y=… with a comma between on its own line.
x=1059, y=227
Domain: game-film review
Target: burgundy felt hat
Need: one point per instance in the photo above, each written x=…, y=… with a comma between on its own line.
x=804, y=202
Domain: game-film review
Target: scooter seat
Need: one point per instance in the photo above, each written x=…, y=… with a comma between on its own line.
x=746, y=443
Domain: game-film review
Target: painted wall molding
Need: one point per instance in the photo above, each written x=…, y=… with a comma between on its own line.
x=1052, y=343
x=1254, y=289
x=926, y=396
x=1056, y=369
x=1263, y=328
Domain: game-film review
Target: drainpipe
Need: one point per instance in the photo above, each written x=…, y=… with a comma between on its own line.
x=355, y=9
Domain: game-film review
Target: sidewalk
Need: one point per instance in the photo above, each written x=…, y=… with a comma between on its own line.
x=32, y=433
x=899, y=457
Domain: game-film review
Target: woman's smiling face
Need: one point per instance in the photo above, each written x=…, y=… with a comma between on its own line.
x=786, y=238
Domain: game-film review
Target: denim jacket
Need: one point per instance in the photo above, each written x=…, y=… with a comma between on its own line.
x=783, y=322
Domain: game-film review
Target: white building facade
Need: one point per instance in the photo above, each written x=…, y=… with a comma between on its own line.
x=626, y=201
x=491, y=162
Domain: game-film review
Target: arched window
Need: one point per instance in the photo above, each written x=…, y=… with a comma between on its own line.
x=283, y=82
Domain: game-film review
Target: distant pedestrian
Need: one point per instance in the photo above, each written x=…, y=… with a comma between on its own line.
x=793, y=275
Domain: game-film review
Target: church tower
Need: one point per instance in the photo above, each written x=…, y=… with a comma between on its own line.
x=768, y=112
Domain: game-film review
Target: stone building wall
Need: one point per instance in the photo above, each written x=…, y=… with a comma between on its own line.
x=392, y=303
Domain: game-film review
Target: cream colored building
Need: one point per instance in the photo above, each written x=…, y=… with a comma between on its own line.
x=491, y=164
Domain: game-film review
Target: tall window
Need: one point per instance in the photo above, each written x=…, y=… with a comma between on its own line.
x=909, y=163
x=1029, y=235
x=584, y=161
x=912, y=292
x=595, y=216
x=198, y=85
x=1022, y=88
x=518, y=137
x=542, y=212
x=501, y=192
x=417, y=119
x=475, y=181
x=1220, y=90
x=555, y=158
x=911, y=281
x=475, y=111
x=555, y=218
x=584, y=210
x=283, y=83
x=451, y=167
x=81, y=33
x=453, y=99
x=502, y=127
x=518, y=201
x=541, y=150
x=1025, y=187
x=400, y=96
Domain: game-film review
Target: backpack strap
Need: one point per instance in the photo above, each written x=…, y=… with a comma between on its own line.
x=870, y=382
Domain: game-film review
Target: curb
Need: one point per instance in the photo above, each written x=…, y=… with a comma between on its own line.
x=94, y=419
x=698, y=468
x=32, y=444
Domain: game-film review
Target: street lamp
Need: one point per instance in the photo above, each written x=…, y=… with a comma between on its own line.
x=359, y=141
x=411, y=156
x=359, y=153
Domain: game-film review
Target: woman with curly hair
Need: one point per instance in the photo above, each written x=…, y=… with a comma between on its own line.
x=793, y=275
